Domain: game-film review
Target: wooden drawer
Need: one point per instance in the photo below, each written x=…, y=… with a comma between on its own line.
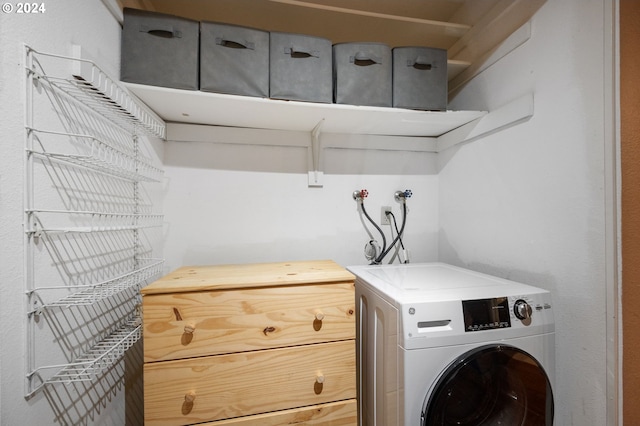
x=242, y=384
x=341, y=413
x=184, y=325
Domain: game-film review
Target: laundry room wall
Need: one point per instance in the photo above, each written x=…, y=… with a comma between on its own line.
x=230, y=203
x=115, y=398
x=529, y=203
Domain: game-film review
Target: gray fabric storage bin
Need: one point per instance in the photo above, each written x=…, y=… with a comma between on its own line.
x=420, y=78
x=234, y=59
x=300, y=68
x=159, y=50
x=362, y=74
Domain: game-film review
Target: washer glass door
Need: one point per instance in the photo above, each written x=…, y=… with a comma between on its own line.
x=491, y=385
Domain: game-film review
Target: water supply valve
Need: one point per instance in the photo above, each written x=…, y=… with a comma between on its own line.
x=360, y=195
x=401, y=196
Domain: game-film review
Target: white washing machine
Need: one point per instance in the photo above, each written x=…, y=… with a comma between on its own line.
x=442, y=345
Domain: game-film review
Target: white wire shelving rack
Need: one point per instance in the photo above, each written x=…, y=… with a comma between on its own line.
x=102, y=157
x=101, y=356
x=89, y=294
x=94, y=169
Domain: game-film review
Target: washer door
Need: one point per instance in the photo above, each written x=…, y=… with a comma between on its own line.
x=491, y=385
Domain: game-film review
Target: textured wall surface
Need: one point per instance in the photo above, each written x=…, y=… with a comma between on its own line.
x=225, y=204
x=528, y=203
x=525, y=203
x=111, y=399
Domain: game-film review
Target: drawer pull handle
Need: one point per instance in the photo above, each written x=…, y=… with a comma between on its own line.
x=189, y=328
x=318, y=386
x=187, y=405
x=317, y=322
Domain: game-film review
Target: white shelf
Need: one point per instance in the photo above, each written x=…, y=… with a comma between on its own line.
x=195, y=107
x=96, y=360
x=399, y=128
x=84, y=295
x=77, y=221
x=93, y=88
x=102, y=157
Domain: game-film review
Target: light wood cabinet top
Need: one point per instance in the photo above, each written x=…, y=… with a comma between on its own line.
x=237, y=276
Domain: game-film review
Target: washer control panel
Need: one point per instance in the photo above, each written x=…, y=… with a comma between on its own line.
x=486, y=314
x=525, y=308
x=499, y=312
x=443, y=322
x=522, y=310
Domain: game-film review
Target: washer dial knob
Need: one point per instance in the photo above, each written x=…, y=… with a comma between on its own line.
x=522, y=309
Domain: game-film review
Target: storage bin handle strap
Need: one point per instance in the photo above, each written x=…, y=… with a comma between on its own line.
x=234, y=43
x=364, y=59
x=420, y=63
x=159, y=31
x=299, y=52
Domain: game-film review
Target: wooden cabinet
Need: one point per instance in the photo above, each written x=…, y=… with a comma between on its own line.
x=257, y=344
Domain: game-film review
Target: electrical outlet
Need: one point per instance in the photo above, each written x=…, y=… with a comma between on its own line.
x=384, y=219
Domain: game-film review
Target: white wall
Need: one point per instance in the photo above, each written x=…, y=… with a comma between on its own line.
x=525, y=204
x=528, y=203
x=63, y=23
x=247, y=203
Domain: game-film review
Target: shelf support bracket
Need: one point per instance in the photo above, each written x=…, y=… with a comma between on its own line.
x=315, y=157
x=508, y=115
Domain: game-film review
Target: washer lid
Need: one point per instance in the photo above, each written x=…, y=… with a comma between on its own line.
x=435, y=281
